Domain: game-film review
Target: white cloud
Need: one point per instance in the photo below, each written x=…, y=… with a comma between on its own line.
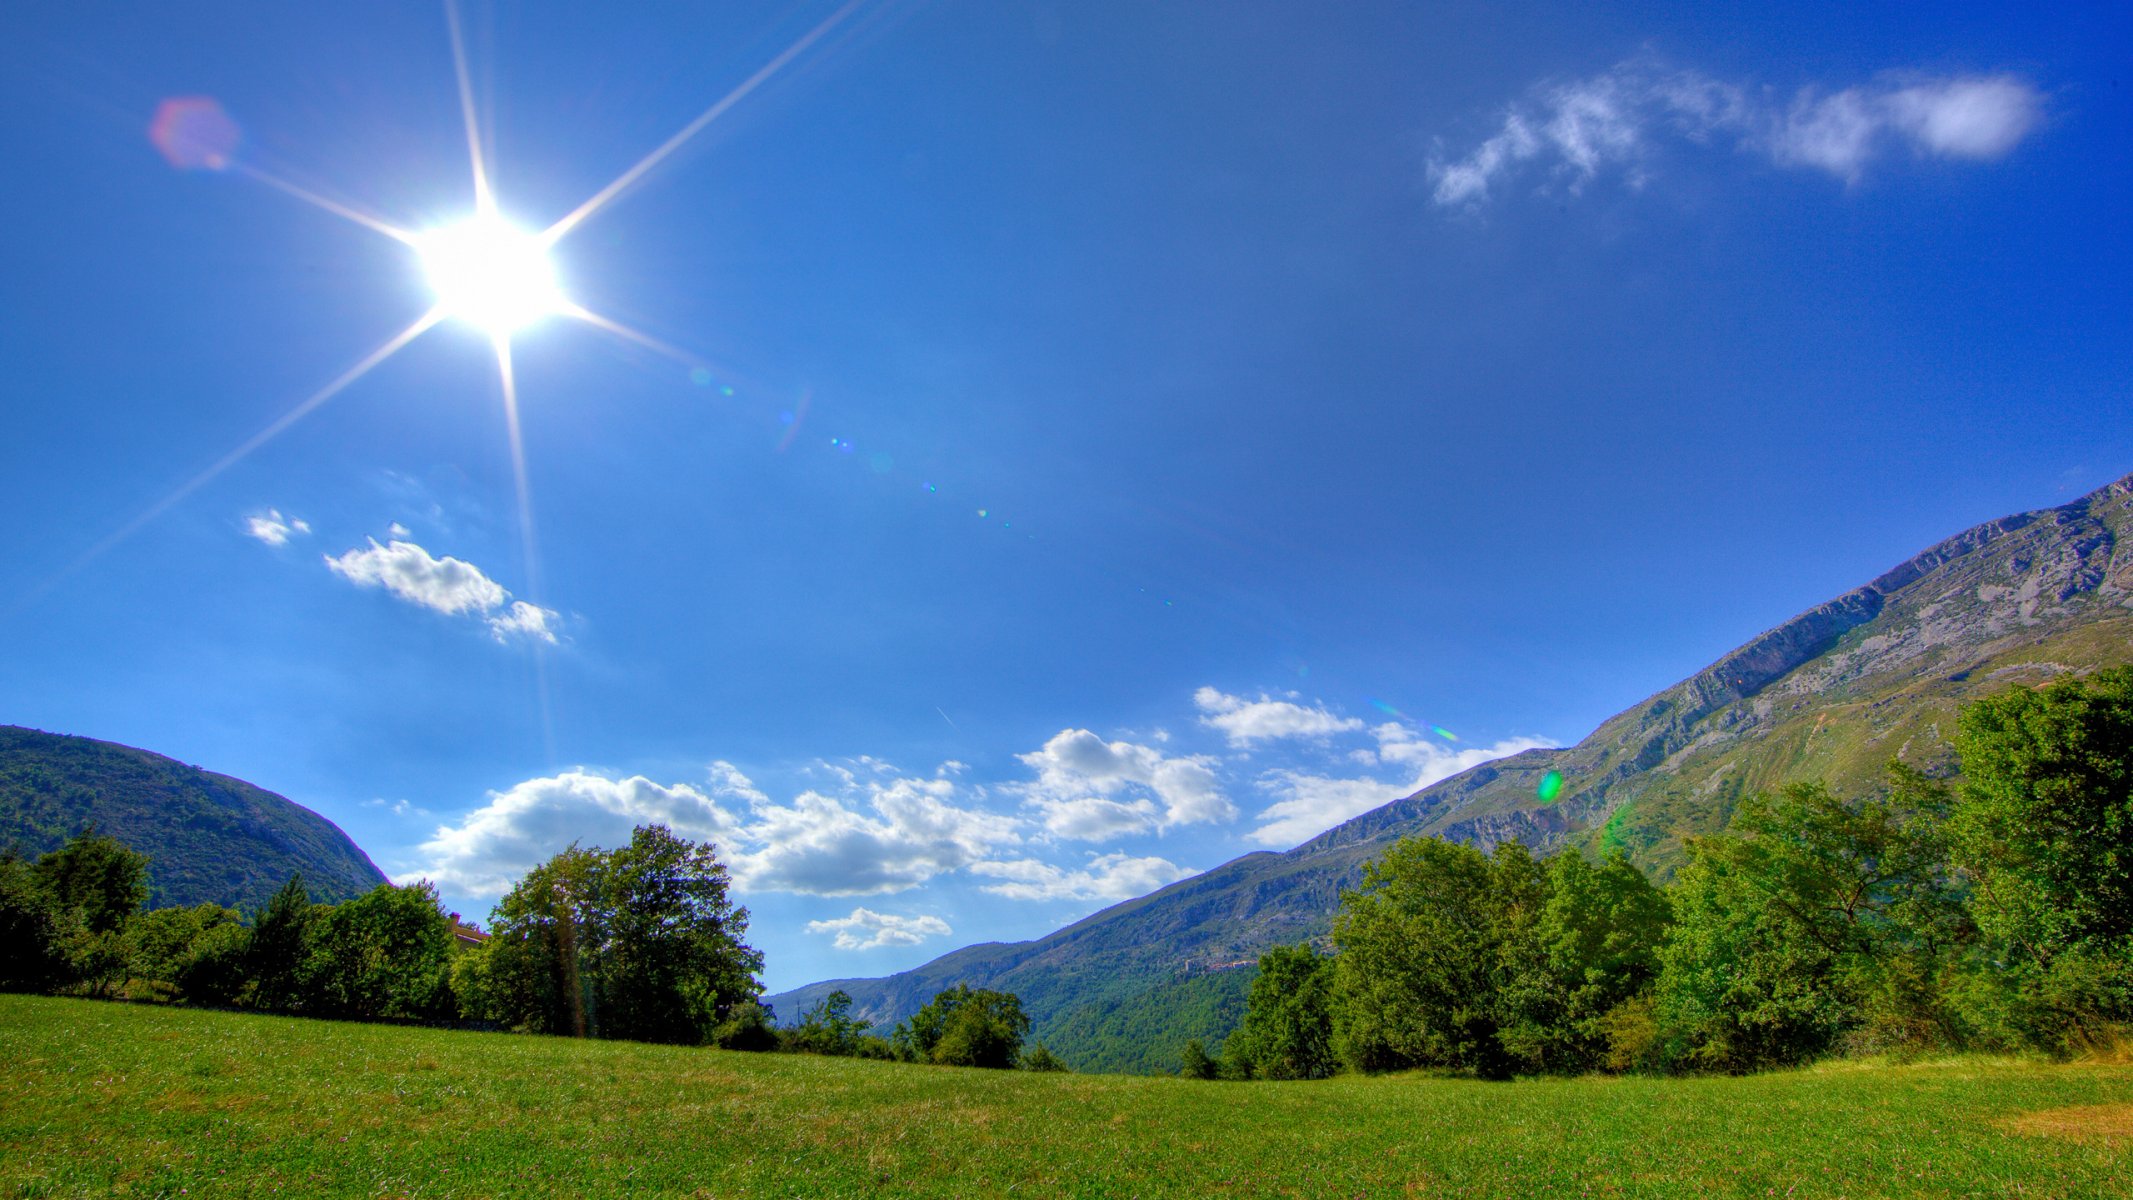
x=1107, y=877
x=524, y=620
x=273, y=528
x=1247, y=721
x=525, y=825
x=1307, y=805
x=890, y=835
x=1616, y=119
x=1090, y=789
x=821, y=846
x=447, y=585
x=866, y=929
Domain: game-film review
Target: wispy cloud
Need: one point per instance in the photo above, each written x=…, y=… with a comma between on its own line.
x=866, y=929
x=1568, y=134
x=1106, y=877
x=447, y=585
x=1308, y=804
x=275, y=529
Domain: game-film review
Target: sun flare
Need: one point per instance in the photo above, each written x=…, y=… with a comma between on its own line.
x=491, y=274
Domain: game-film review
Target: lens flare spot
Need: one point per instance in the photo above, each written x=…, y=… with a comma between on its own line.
x=491, y=274
x=700, y=377
x=1551, y=786
x=194, y=133
x=1444, y=733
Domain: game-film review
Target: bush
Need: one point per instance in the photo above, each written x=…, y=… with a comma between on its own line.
x=1194, y=1063
x=1037, y=1058
x=749, y=1025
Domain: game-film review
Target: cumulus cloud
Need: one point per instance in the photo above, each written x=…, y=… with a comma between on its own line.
x=273, y=528
x=1248, y=721
x=1308, y=804
x=1089, y=789
x=899, y=835
x=866, y=929
x=447, y=585
x=527, y=824
x=1106, y=877
x=890, y=834
x=1571, y=132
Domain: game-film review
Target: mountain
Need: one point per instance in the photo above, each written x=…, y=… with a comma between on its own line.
x=208, y=837
x=1876, y=674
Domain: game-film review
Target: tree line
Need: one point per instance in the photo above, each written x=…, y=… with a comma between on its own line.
x=1995, y=915
x=641, y=942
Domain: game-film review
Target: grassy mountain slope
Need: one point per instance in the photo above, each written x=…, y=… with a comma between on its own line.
x=1834, y=693
x=208, y=837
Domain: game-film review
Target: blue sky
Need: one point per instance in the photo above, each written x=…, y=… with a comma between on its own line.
x=1090, y=441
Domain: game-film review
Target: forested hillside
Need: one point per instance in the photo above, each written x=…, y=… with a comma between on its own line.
x=1834, y=695
x=209, y=838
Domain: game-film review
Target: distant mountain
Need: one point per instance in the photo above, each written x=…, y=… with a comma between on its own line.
x=208, y=837
x=1835, y=693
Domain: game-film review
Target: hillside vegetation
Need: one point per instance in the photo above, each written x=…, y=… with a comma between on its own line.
x=210, y=839
x=106, y=1099
x=1831, y=696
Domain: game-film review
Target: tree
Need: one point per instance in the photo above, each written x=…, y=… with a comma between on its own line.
x=1821, y=916
x=95, y=885
x=169, y=943
x=965, y=1027
x=1194, y=1063
x=2044, y=827
x=276, y=951
x=1038, y=1058
x=638, y=942
x=829, y=1027
x=32, y=958
x=1287, y=1032
x=1422, y=949
x=673, y=962
x=1594, y=949
x=385, y=953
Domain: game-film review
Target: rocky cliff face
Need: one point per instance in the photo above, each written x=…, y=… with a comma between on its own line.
x=1834, y=693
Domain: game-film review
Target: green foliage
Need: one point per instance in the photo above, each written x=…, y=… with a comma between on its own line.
x=1423, y=945
x=1823, y=916
x=965, y=1027
x=1138, y=1032
x=1037, y=1058
x=829, y=1028
x=276, y=953
x=2045, y=827
x=1194, y=1063
x=170, y=943
x=1593, y=950
x=102, y=881
x=640, y=942
x=749, y=1026
x=383, y=954
x=209, y=838
x=32, y=958
x=1288, y=1018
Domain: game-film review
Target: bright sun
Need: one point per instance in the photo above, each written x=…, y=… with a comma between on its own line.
x=491, y=274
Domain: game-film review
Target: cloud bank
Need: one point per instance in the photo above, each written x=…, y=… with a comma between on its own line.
x=1106, y=877
x=1569, y=133
x=1088, y=789
x=447, y=585
x=1308, y=804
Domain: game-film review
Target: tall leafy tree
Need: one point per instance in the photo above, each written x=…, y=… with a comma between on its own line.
x=276, y=951
x=1818, y=916
x=32, y=956
x=2045, y=828
x=965, y=1027
x=383, y=954
x=1594, y=949
x=1287, y=1032
x=1423, y=948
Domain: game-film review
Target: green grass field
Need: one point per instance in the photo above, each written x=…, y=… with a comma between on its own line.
x=110, y=1099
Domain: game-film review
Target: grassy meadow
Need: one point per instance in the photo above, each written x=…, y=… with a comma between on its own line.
x=113, y=1099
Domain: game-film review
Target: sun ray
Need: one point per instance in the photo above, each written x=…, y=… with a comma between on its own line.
x=622, y=182
x=317, y=201
x=484, y=199
x=273, y=430
x=528, y=546
x=646, y=340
